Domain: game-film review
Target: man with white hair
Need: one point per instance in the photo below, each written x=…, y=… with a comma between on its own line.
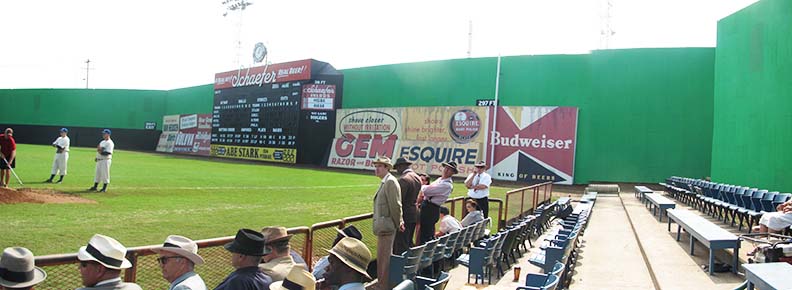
x=178, y=257
x=101, y=262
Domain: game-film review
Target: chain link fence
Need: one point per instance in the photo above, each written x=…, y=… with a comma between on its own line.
x=311, y=243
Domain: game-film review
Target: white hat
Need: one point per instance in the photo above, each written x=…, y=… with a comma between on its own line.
x=18, y=270
x=106, y=251
x=297, y=279
x=181, y=246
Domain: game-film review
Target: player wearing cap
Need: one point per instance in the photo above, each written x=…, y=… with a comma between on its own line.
x=59, y=165
x=104, y=157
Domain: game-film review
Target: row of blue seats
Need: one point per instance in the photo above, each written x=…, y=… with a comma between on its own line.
x=728, y=203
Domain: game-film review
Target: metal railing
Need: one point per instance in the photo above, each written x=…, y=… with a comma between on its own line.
x=522, y=201
x=309, y=242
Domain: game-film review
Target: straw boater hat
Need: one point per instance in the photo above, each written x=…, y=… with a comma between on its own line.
x=354, y=254
x=106, y=251
x=18, y=270
x=480, y=164
x=383, y=160
x=451, y=165
x=181, y=246
x=248, y=242
x=275, y=234
x=297, y=279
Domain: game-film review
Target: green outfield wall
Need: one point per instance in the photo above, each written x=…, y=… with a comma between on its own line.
x=752, y=133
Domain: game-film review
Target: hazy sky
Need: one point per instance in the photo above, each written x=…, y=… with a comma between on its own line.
x=166, y=44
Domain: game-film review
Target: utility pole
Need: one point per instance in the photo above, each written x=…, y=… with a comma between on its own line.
x=87, y=68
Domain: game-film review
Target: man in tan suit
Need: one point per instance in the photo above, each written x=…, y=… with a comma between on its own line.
x=278, y=263
x=387, y=217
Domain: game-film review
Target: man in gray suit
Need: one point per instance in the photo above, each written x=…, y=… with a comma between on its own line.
x=410, y=184
x=101, y=262
x=387, y=217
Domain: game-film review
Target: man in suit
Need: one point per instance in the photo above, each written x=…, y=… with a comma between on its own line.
x=410, y=184
x=279, y=262
x=387, y=217
x=178, y=257
x=18, y=270
x=101, y=262
x=246, y=250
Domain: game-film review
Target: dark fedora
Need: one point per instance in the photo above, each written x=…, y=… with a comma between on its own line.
x=400, y=161
x=248, y=242
x=451, y=165
x=349, y=232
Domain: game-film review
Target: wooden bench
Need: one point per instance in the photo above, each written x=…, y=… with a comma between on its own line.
x=640, y=190
x=658, y=203
x=768, y=275
x=709, y=234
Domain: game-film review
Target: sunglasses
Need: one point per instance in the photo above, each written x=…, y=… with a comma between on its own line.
x=163, y=260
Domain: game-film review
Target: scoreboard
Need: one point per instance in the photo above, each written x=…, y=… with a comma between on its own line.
x=272, y=112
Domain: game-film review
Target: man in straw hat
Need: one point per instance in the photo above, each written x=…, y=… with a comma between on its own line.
x=101, y=262
x=434, y=195
x=351, y=231
x=178, y=257
x=298, y=279
x=18, y=270
x=348, y=262
x=246, y=251
x=387, y=216
x=279, y=261
x=410, y=184
x=478, y=184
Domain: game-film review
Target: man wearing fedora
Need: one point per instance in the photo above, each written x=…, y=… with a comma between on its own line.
x=434, y=195
x=104, y=158
x=279, y=262
x=178, y=257
x=478, y=185
x=387, y=216
x=348, y=261
x=351, y=231
x=410, y=185
x=101, y=262
x=297, y=279
x=18, y=270
x=246, y=251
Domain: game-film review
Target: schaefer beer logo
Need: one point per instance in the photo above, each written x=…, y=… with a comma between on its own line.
x=464, y=126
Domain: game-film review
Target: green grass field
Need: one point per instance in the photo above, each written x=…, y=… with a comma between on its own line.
x=154, y=195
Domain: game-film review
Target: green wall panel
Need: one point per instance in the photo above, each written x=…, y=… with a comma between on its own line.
x=128, y=109
x=192, y=100
x=752, y=133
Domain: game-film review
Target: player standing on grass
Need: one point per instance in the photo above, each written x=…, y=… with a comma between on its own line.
x=8, y=152
x=61, y=155
x=104, y=156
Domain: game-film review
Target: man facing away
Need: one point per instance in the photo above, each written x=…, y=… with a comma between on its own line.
x=410, y=185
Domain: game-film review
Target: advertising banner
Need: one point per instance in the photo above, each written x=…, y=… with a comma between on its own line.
x=194, y=134
x=362, y=135
x=284, y=155
x=170, y=128
x=170, y=123
x=534, y=144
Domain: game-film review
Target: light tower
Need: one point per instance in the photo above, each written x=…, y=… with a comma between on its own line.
x=238, y=6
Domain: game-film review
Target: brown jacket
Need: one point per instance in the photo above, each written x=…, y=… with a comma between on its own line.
x=410, y=184
x=387, y=207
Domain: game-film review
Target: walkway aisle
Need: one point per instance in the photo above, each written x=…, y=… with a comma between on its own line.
x=610, y=257
x=670, y=260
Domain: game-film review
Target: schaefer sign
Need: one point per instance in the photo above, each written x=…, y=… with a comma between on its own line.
x=284, y=155
x=534, y=144
x=261, y=75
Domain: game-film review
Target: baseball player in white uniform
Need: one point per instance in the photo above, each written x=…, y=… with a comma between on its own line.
x=104, y=156
x=59, y=165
